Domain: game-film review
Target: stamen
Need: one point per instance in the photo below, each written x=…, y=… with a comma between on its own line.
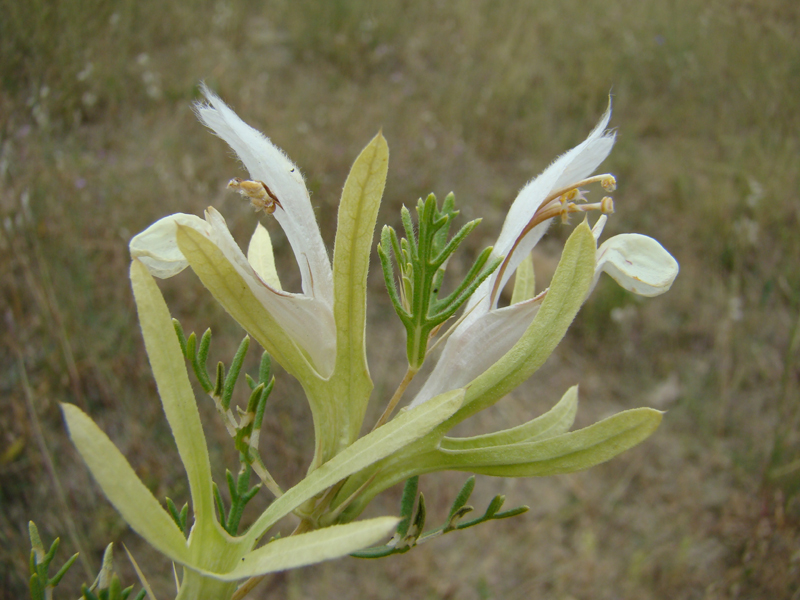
x=258, y=192
x=562, y=202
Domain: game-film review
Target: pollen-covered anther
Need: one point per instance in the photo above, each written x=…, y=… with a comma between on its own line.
x=258, y=192
x=608, y=182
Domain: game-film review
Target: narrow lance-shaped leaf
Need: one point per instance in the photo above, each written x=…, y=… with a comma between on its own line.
x=406, y=427
x=524, y=282
x=232, y=292
x=554, y=422
x=172, y=380
x=358, y=213
x=125, y=491
x=564, y=298
x=310, y=548
x=565, y=453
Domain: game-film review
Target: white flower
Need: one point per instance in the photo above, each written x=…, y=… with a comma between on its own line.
x=307, y=317
x=486, y=333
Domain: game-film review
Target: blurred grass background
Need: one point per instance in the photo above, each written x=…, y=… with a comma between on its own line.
x=97, y=140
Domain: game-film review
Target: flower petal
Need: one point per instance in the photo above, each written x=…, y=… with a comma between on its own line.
x=638, y=263
x=573, y=166
x=472, y=350
x=157, y=246
x=308, y=321
x=269, y=164
x=579, y=163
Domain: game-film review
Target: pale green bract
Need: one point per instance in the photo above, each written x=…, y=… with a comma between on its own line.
x=318, y=336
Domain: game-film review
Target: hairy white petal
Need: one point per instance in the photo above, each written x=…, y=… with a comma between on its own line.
x=157, y=246
x=638, y=263
x=485, y=334
x=570, y=167
x=267, y=163
x=470, y=351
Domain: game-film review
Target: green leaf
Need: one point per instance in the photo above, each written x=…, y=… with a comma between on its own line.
x=564, y=453
x=233, y=373
x=36, y=541
x=358, y=213
x=123, y=488
x=422, y=261
x=461, y=498
x=406, y=427
x=554, y=422
x=172, y=380
x=407, y=502
x=231, y=291
x=310, y=548
x=54, y=581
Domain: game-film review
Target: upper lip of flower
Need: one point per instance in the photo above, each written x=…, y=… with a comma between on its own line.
x=306, y=317
x=268, y=164
x=486, y=332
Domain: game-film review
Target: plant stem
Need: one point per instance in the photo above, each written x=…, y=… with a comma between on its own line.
x=398, y=393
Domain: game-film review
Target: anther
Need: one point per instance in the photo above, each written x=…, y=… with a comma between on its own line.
x=609, y=183
x=258, y=192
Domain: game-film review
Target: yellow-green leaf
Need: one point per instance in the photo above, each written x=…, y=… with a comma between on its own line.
x=554, y=422
x=406, y=427
x=524, y=281
x=232, y=292
x=566, y=294
x=310, y=548
x=565, y=453
x=172, y=380
x=358, y=213
x=124, y=489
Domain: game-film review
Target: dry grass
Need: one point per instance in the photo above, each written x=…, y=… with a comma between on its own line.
x=97, y=140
